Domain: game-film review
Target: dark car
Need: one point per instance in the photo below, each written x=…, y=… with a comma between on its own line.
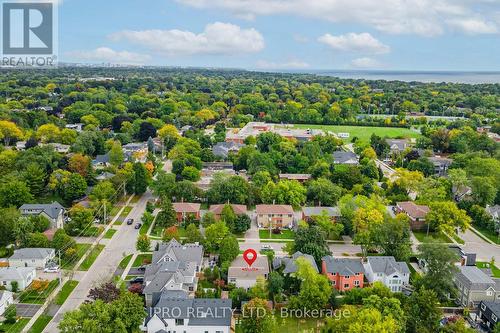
x=138, y=279
x=138, y=226
x=130, y=221
x=142, y=268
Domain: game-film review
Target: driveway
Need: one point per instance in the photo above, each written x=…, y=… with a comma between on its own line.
x=122, y=243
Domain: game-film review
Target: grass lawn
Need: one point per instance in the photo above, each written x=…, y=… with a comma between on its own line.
x=89, y=260
x=38, y=297
x=130, y=277
x=494, y=269
x=140, y=258
x=157, y=231
x=93, y=231
x=457, y=238
x=81, y=249
x=40, y=324
x=126, y=211
x=65, y=292
x=4, y=252
x=432, y=238
x=364, y=133
x=144, y=228
x=492, y=236
x=285, y=234
x=14, y=328
x=114, y=211
x=109, y=233
x=135, y=198
x=123, y=264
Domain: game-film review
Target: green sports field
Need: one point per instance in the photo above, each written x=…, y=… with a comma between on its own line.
x=364, y=132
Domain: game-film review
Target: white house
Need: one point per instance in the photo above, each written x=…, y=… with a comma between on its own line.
x=6, y=299
x=176, y=313
x=243, y=276
x=54, y=212
x=32, y=257
x=22, y=275
x=387, y=270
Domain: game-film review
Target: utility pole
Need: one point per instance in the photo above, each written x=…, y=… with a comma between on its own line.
x=60, y=268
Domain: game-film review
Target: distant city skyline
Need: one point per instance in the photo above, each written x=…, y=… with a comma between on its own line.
x=459, y=35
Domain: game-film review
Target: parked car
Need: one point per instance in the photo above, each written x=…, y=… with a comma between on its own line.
x=138, y=225
x=266, y=247
x=138, y=279
x=142, y=268
x=53, y=269
x=130, y=221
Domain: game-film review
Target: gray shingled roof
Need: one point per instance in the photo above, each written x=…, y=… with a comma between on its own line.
x=474, y=278
x=494, y=307
x=52, y=210
x=217, y=312
x=342, y=157
x=223, y=148
x=15, y=273
x=32, y=253
x=387, y=265
x=290, y=262
x=318, y=211
x=101, y=159
x=343, y=266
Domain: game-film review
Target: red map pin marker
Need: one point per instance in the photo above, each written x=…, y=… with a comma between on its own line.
x=250, y=256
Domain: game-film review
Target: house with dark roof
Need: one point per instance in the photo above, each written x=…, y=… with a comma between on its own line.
x=441, y=164
x=54, y=212
x=416, y=213
x=397, y=146
x=32, y=257
x=475, y=286
x=217, y=210
x=101, y=161
x=393, y=274
x=223, y=149
x=489, y=313
x=345, y=157
x=344, y=273
x=308, y=213
x=274, y=216
x=184, y=210
x=174, y=266
x=177, y=313
x=289, y=264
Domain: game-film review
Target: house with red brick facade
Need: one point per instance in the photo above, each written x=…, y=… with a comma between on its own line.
x=217, y=210
x=344, y=273
x=185, y=209
x=416, y=213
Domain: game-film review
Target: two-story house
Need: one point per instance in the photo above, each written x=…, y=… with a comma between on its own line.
x=475, y=286
x=388, y=271
x=54, y=212
x=174, y=266
x=274, y=216
x=489, y=313
x=344, y=273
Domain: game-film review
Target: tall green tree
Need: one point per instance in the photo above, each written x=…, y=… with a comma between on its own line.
x=140, y=178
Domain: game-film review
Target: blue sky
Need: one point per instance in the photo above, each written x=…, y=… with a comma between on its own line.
x=284, y=34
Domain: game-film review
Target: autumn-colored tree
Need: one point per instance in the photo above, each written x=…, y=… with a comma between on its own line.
x=171, y=233
x=80, y=164
x=9, y=131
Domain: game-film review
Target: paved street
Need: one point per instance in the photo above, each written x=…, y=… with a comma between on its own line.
x=122, y=243
x=475, y=244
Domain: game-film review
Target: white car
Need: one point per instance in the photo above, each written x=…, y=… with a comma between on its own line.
x=266, y=247
x=54, y=269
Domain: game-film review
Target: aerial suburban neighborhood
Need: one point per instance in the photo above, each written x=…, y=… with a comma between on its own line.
x=190, y=200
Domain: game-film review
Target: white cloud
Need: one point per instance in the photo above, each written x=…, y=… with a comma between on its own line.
x=292, y=64
x=474, y=26
x=217, y=38
x=365, y=63
x=106, y=54
x=352, y=42
x=421, y=17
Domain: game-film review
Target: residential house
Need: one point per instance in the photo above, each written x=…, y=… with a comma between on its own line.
x=344, y=273
x=243, y=276
x=441, y=165
x=60, y=148
x=101, y=161
x=21, y=145
x=22, y=275
x=54, y=212
x=393, y=274
x=416, y=213
x=489, y=313
x=308, y=213
x=184, y=210
x=32, y=257
x=223, y=149
x=345, y=157
x=274, y=216
x=105, y=176
x=76, y=127
x=250, y=129
x=397, y=146
x=494, y=212
x=6, y=299
x=475, y=286
x=198, y=315
x=135, y=151
x=289, y=264
x=300, y=177
x=217, y=210
x=174, y=266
